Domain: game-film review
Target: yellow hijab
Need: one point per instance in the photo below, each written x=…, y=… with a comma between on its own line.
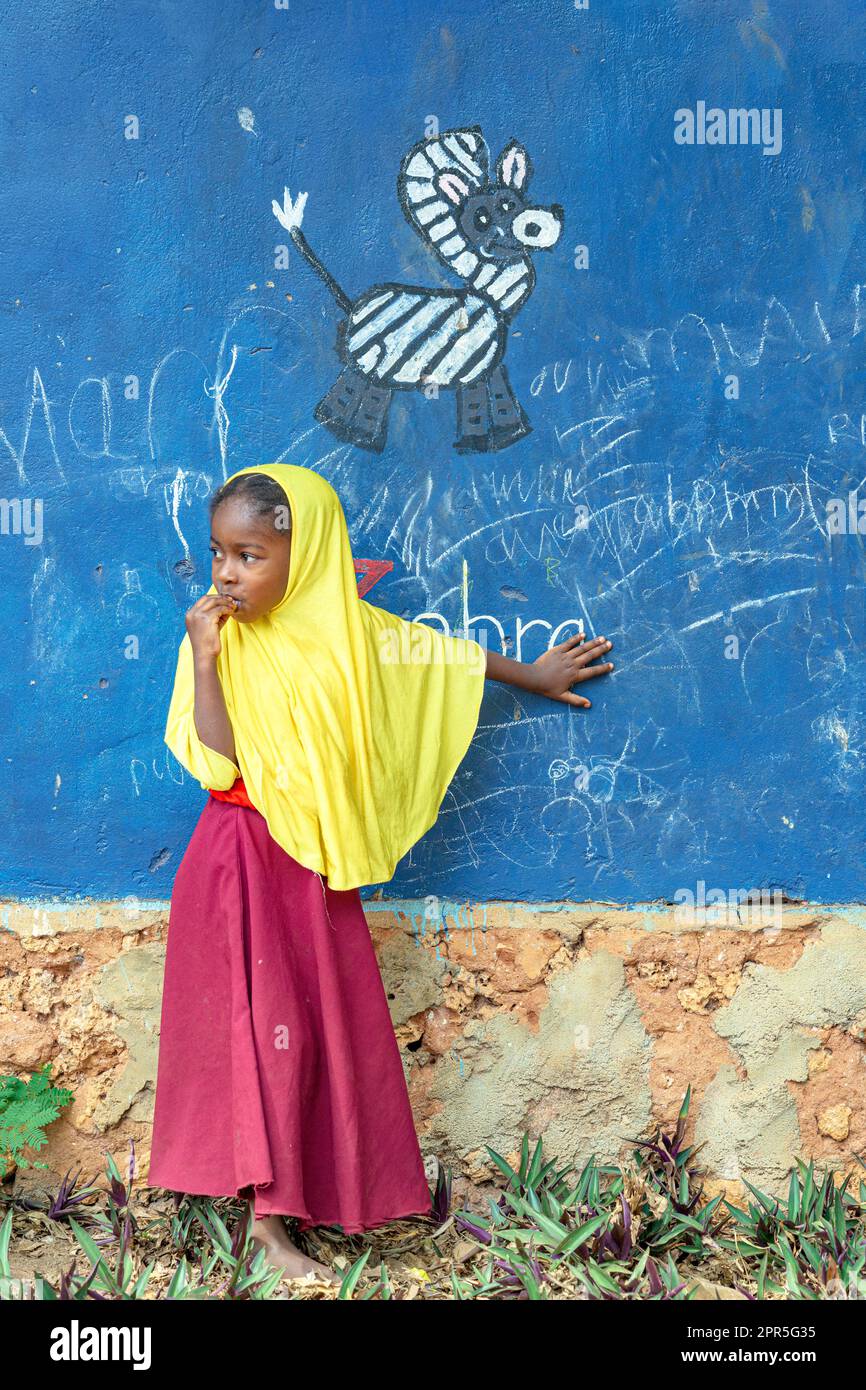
x=349, y=722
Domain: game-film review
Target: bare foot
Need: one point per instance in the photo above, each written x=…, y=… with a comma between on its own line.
x=269, y=1234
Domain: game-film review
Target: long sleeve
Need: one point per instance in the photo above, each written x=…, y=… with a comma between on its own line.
x=212, y=769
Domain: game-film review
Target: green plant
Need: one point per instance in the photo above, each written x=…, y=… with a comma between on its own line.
x=640, y=1232
x=811, y=1244
x=544, y=1235
x=672, y=1180
x=229, y=1267
x=609, y=1234
x=26, y=1107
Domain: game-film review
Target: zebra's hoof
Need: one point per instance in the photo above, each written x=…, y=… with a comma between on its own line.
x=373, y=444
x=503, y=438
x=493, y=441
x=471, y=444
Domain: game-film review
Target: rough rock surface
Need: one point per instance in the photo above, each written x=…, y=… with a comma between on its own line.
x=582, y=1024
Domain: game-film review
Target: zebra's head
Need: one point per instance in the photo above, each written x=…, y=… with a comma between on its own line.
x=470, y=220
x=499, y=221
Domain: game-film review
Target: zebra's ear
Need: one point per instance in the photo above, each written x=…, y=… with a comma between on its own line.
x=514, y=167
x=455, y=188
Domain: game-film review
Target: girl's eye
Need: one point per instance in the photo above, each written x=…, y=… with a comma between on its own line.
x=506, y=205
x=482, y=219
x=245, y=554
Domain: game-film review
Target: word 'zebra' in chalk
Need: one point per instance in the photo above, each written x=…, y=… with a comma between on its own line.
x=407, y=337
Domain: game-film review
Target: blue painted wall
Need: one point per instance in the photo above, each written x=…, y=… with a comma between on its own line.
x=151, y=261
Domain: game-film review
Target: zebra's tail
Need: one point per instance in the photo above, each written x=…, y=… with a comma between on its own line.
x=290, y=215
x=309, y=255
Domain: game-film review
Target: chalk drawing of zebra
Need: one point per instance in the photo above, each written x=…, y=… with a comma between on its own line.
x=407, y=337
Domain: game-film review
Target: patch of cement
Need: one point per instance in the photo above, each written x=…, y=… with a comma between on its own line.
x=752, y=1126
x=591, y=1043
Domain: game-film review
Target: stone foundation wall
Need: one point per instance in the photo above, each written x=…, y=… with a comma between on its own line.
x=581, y=1023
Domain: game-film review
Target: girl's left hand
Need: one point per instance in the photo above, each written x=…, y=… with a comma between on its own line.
x=567, y=664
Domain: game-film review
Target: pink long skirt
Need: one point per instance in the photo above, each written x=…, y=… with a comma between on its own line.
x=278, y=1068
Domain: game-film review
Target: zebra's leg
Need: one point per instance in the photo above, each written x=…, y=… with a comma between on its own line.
x=508, y=418
x=473, y=418
x=356, y=410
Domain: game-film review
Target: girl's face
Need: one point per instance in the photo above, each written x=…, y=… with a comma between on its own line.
x=250, y=558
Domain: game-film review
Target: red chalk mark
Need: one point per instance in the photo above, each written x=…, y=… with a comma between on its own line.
x=371, y=572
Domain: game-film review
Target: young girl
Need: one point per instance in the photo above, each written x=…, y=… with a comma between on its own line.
x=327, y=731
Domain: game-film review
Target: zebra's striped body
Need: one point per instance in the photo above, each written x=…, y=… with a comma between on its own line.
x=406, y=336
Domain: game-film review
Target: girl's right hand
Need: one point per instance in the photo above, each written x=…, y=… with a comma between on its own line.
x=204, y=622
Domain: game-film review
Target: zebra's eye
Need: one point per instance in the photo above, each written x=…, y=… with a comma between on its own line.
x=482, y=219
